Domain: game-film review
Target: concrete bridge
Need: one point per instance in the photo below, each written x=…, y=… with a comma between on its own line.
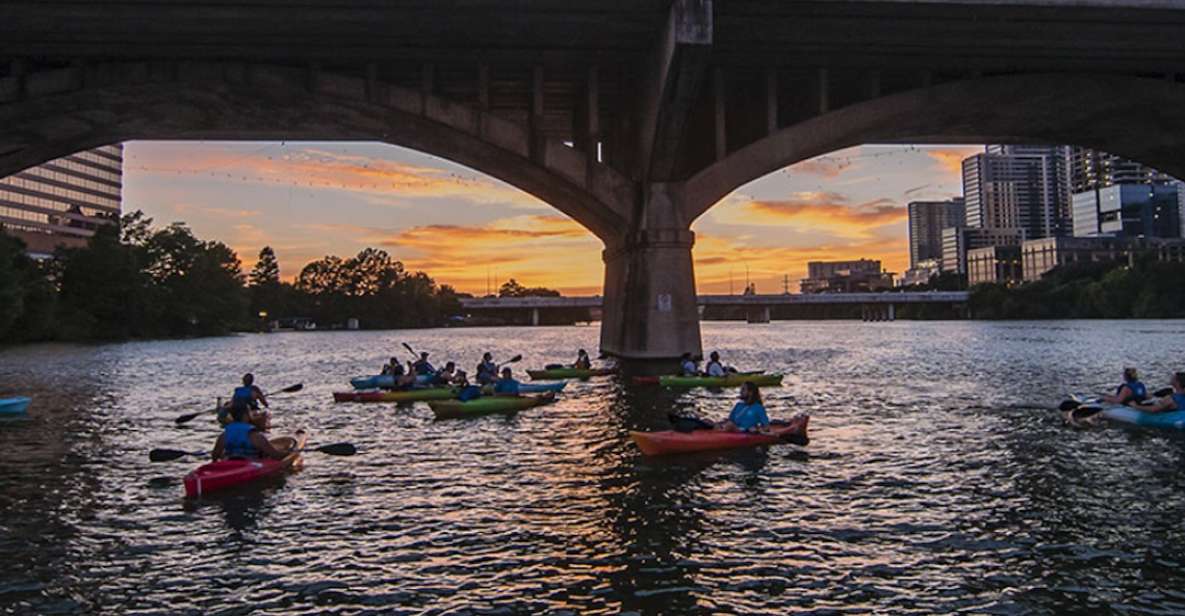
x=668, y=104
x=874, y=306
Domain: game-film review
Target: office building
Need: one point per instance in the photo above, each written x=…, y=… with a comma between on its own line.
x=921, y=273
x=927, y=219
x=1088, y=169
x=845, y=277
x=994, y=264
x=1017, y=187
x=62, y=202
x=1128, y=210
x=1040, y=256
x=957, y=242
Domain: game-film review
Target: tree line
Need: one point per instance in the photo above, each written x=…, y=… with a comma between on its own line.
x=135, y=280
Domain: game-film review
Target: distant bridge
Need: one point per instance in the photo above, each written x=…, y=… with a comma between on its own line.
x=875, y=306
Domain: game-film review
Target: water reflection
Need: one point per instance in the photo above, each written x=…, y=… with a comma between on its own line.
x=925, y=488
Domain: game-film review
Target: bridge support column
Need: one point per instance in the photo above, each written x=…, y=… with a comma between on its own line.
x=892, y=312
x=650, y=304
x=535, y=316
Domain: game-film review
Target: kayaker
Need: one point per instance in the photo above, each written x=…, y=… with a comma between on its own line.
x=714, y=367
x=467, y=392
x=241, y=439
x=422, y=367
x=749, y=414
x=248, y=394
x=1131, y=391
x=506, y=386
x=583, y=362
x=406, y=378
x=393, y=368
x=487, y=370
x=688, y=366
x=445, y=375
x=1169, y=403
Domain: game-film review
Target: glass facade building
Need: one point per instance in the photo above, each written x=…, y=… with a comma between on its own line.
x=1017, y=187
x=1128, y=210
x=927, y=219
x=63, y=201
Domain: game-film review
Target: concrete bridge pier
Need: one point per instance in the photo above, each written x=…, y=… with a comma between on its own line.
x=650, y=303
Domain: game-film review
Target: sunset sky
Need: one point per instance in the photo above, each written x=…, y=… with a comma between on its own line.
x=308, y=200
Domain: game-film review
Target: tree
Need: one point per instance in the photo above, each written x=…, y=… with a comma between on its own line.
x=511, y=288
x=266, y=272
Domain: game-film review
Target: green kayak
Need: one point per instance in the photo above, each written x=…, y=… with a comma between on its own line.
x=569, y=373
x=728, y=380
x=452, y=409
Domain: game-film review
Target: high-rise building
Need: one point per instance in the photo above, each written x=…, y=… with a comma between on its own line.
x=63, y=201
x=927, y=219
x=957, y=242
x=1017, y=187
x=1088, y=169
x=1129, y=210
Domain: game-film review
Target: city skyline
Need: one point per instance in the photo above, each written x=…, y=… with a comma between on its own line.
x=464, y=228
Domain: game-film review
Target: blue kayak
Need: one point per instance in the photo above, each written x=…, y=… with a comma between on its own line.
x=1173, y=420
x=14, y=406
x=541, y=388
x=382, y=381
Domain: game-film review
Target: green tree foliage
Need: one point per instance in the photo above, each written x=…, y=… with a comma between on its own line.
x=1116, y=290
x=511, y=288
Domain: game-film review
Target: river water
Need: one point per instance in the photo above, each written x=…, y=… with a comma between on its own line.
x=932, y=483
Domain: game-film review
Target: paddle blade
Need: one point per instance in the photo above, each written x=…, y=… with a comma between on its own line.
x=338, y=449
x=409, y=349
x=292, y=388
x=1086, y=411
x=1067, y=405
x=186, y=418
x=1160, y=393
x=166, y=455
x=514, y=359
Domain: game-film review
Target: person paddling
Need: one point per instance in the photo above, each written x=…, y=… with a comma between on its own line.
x=506, y=386
x=487, y=370
x=1132, y=391
x=749, y=413
x=466, y=392
x=422, y=367
x=1169, y=403
x=241, y=439
x=688, y=366
x=583, y=362
x=393, y=368
x=714, y=367
x=249, y=396
x=445, y=375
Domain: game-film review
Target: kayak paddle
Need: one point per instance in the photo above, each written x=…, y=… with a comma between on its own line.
x=407, y=346
x=190, y=416
x=516, y=358
x=168, y=455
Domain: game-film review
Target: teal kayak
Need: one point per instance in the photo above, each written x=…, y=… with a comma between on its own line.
x=382, y=381
x=569, y=373
x=14, y=406
x=453, y=409
x=1172, y=420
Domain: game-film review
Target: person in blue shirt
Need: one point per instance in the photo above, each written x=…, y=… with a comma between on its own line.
x=487, y=370
x=1169, y=403
x=688, y=366
x=506, y=386
x=422, y=367
x=749, y=413
x=466, y=392
x=714, y=367
x=241, y=439
x=249, y=397
x=1131, y=391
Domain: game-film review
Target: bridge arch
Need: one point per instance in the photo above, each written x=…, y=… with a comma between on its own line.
x=74, y=109
x=1138, y=118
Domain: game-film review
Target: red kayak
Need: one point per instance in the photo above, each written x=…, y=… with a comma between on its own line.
x=225, y=474
x=669, y=441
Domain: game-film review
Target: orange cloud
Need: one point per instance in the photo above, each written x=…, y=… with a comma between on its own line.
x=950, y=160
x=828, y=212
x=823, y=166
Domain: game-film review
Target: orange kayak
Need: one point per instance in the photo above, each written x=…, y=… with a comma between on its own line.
x=670, y=441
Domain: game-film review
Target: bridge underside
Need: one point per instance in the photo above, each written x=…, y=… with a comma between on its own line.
x=631, y=118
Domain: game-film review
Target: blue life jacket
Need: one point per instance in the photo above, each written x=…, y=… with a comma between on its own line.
x=506, y=386
x=469, y=392
x=1179, y=400
x=422, y=367
x=689, y=368
x=237, y=441
x=1139, y=391
x=244, y=396
x=748, y=416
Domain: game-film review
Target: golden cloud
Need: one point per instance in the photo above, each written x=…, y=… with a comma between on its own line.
x=828, y=212
x=950, y=160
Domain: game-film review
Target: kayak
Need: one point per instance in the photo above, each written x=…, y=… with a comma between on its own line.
x=436, y=393
x=568, y=373
x=14, y=406
x=728, y=380
x=225, y=474
x=406, y=395
x=1173, y=420
x=382, y=381
x=669, y=441
x=453, y=409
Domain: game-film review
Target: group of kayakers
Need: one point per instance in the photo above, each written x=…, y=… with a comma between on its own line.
x=688, y=366
x=1132, y=392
